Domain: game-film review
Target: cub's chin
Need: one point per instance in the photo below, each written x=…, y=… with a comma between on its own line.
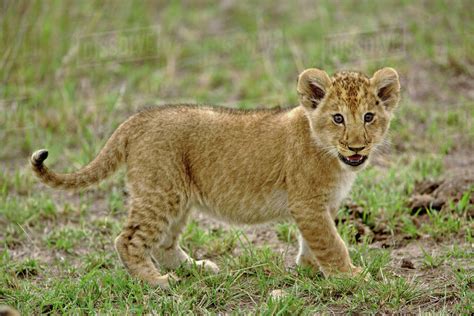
x=354, y=163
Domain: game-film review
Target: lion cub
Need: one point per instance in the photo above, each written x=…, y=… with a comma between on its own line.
x=244, y=167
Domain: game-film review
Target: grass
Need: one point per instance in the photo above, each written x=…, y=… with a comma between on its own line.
x=71, y=72
x=100, y=285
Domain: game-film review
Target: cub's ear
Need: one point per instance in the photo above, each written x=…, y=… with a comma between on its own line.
x=387, y=86
x=312, y=87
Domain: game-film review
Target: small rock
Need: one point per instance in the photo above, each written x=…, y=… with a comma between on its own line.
x=407, y=264
x=278, y=294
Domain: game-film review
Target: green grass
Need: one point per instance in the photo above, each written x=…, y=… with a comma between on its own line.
x=102, y=285
x=71, y=72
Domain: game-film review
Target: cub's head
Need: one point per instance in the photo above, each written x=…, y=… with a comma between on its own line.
x=349, y=113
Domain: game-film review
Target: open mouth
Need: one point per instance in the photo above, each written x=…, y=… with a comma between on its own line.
x=354, y=160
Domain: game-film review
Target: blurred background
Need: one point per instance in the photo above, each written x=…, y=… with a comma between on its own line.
x=71, y=71
x=77, y=69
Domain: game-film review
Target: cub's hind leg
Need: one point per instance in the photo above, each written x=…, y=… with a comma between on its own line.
x=170, y=255
x=149, y=220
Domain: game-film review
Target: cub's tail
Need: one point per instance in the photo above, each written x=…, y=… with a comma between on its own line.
x=107, y=161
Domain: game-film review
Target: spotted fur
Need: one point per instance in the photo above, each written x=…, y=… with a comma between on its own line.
x=241, y=166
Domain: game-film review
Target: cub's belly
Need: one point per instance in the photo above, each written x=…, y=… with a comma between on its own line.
x=247, y=209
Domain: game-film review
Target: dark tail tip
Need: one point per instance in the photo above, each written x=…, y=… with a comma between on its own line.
x=38, y=157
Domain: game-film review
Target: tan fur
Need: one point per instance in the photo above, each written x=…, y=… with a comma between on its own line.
x=243, y=167
x=8, y=311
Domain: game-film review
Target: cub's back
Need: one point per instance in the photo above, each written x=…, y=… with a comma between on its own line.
x=234, y=160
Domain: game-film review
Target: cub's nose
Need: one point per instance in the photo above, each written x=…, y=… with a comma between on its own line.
x=356, y=149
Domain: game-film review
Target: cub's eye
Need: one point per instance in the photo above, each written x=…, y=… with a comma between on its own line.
x=368, y=117
x=338, y=118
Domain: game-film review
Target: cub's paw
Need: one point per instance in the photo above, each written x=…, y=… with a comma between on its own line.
x=359, y=272
x=163, y=281
x=208, y=266
x=356, y=270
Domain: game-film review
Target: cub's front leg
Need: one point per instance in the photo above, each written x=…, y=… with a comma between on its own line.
x=305, y=257
x=319, y=235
